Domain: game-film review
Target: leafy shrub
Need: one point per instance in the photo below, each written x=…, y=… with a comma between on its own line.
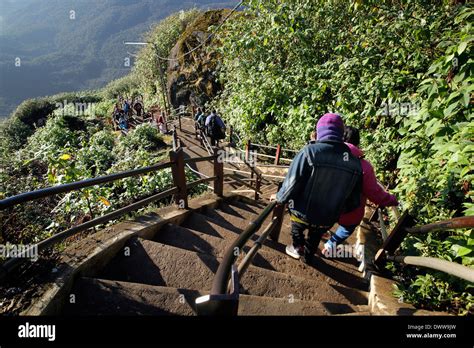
x=144, y=136
x=286, y=63
x=125, y=86
x=24, y=119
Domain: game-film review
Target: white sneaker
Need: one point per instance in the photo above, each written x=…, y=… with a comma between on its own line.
x=295, y=253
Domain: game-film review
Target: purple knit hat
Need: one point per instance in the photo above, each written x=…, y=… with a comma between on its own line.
x=330, y=127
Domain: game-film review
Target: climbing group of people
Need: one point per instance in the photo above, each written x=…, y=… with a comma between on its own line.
x=328, y=182
x=127, y=112
x=212, y=125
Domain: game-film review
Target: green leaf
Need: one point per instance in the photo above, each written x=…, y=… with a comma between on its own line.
x=462, y=46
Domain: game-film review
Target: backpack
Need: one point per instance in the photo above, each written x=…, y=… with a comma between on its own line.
x=215, y=131
x=352, y=201
x=202, y=121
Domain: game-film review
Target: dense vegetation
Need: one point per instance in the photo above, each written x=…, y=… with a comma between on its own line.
x=69, y=137
x=401, y=71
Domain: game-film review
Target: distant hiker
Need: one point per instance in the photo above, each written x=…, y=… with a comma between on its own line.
x=126, y=107
x=198, y=114
x=162, y=124
x=323, y=181
x=138, y=107
x=215, y=127
x=371, y=189
x=123, y=124
x=201, y=120
x=117, y=109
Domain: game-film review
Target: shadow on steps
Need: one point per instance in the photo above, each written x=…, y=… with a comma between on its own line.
x=345, y=278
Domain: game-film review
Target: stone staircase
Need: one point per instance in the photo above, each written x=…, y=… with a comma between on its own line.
x=163, y=275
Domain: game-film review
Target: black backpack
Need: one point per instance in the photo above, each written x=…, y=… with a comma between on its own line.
x=215, y=131
x=353, y=198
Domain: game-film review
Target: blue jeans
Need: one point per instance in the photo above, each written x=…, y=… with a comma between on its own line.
x=342, y=233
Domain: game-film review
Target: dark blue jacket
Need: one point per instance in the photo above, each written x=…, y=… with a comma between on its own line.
x=319, y=181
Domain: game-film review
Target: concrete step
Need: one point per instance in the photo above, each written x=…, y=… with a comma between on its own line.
x=205, y=224
x=163, y=265
x=185, y=238
x=266, y=258
x=229, y=221
x=240, y=209
x=109, y=297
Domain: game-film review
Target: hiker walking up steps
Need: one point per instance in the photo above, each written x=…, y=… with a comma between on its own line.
x=323, y=181
x=215, y=128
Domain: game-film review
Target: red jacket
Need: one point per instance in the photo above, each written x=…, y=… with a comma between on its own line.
x=371, y=189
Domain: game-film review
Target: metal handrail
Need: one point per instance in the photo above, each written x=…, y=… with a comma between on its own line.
x=452, y=268
x=404, y=227
x=201, y=181
x=199, y=159
x=11, y=264
x=50, y=191
x=256, y=247
x=455, y=223
x=219, y=285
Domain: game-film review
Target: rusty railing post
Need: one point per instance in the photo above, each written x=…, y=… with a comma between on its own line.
x=218, y=172
x=278, y=212
x=247, y=150
x=175, y=139
x=257, y=185
x=179, y=178
x=277, y=156
x=394, y=239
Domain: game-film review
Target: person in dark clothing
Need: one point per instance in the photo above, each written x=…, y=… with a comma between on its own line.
x=198, y=114
x=215, y=128
x=138, y=108
x=323, y=181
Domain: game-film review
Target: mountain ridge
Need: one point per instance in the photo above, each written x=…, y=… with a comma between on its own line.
x=61, y=54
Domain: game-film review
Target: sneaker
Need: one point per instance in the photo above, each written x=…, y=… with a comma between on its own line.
x=294, y=252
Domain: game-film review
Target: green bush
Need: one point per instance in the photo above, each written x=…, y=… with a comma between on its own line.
x=144, y=136
x=401, y=71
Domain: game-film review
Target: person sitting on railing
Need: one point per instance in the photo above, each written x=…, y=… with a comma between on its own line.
x=126, y=107
x=215, y=127
x=371, y=189
x=123, y=123
x=324, y=179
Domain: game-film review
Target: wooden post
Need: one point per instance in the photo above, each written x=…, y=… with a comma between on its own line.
x=257, y=185
x=395, y=238
x=278, y=212
x=247, y=150
x=175, y=139
x=231, y=133
x=277, y=156
x=218, y=173
x=179, y=178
